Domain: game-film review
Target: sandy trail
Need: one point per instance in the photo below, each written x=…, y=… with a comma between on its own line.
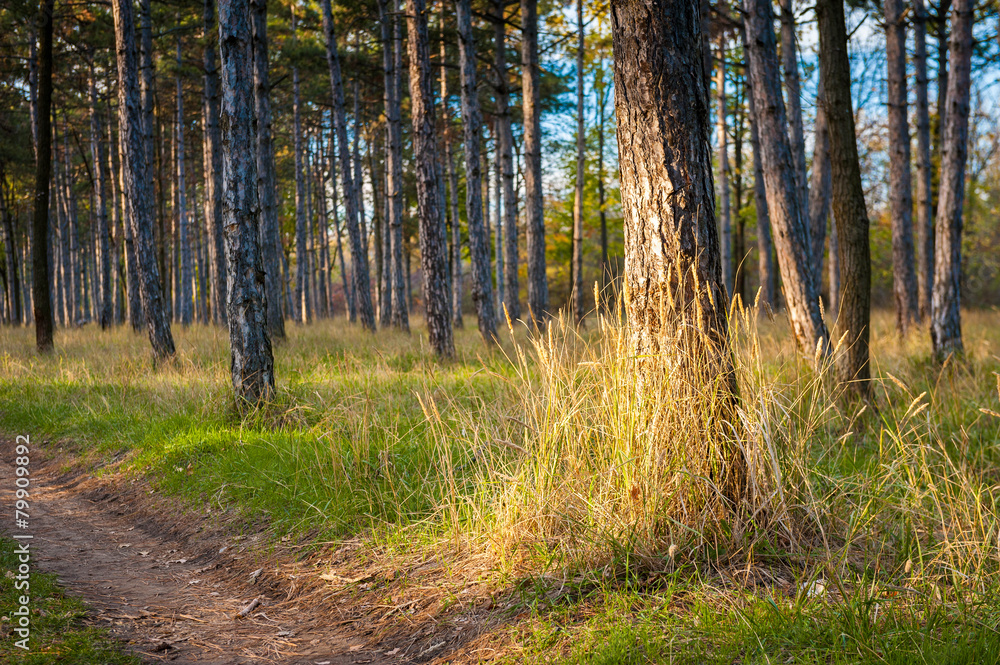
x=158, y=596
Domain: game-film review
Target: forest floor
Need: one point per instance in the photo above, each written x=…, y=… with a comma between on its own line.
x=371, y=517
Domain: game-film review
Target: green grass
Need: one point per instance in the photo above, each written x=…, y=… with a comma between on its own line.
x=372, y=436
x=58, y=634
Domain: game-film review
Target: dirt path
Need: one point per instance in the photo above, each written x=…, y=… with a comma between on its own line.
x=160, y=596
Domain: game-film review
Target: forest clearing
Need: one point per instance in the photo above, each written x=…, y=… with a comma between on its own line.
x=467, y=331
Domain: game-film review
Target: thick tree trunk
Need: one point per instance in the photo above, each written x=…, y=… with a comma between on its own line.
x=433, y=244
x=581, y=162
x=784, y=204
x=834, y=271
x=538, y=284
x=946, y=325
x=790, y=69
x=359, y=253
x=900, y=187
x=270, y=232
x=848, y=199
x=472, y=120
x=99, y=159
x=183, y=223
x=251, y=360
x=512, y=289
x=212, y=166
x=820, y=185
x=725, y=215
x=672, y=248
x=136, y=173
x=925, y=212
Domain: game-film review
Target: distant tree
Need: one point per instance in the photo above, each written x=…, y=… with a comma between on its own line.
x=212, y=165
x=581, y=165
x=925, y=213
x=538, y=285
x=98, y=158
x=506, y=148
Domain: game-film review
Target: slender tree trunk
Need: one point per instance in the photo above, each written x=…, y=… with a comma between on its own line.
x=301, y=262
x=433, y=244
x=251, y=360
x=668, y=202
x=137, y=181
x=538, y=285
x=900, y=187
x=946, y=325
x=834, y=276
x=98, y=157
x=601, y=91
x=925, y=213
x=212, y=166
x=848, y=199
x=498, y=281
x=183, y=223
x=725, y=215
x=790, y=69
x=820, y=186
x=783, y=202
x=13, y=272
x=581, y=162
x=270, y=232
x=448, y=191
x=472, y=120
x=359, y=253
x=506, y=148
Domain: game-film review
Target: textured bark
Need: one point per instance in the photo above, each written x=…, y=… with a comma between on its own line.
x=581, y=161
x=13, y=269
x=606, y=295
x=270, y=238
x=301, y=262
x=323, y=275
x=212, y=165
x=925, y=212
x=472, y=121
x=147, y=72
x=498, y=221
x=900, y=187
x=183, y=223
x=98, y=158
x=946, y=324
x=512, y=289
x=394, y=165
x=834, y=268
x=538, y=284
x=790, y=69
x=820, y=185
x=393, y=158
x=786, y=213
x=133, y=282
x=725, y=214
x=433, y=245
x=848, y=199
x=448, y=192
x=138, y=196
x=359, y=253
x=251, y=360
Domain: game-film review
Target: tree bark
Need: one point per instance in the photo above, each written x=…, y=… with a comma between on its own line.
x=433, y=244
x=251, y=360
x=512, y=301
x=820, y=185
x=359, y=253
x=900, y=187
x=848, y=199
x=13, y=270
x=498, y=281
x=394, y=166
x=790, y=69
x=946, y=324
x=393, y=157
x=581, y=162
x=301, y=261
x=765, y=251
x=725, y=215
x=472, y=120
x=449, y=192
x=212, y=166
x=136, y=174
x=783, y=202
x=99, y=158
x=601, y=90
x=925, y=213
x=183, y=223
x=672, y=248
x=538, y=284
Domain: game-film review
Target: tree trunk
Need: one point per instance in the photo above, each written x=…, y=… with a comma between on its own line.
x=506, y=148
x=348, y=300
x=820, y=185
x=183, y=223
x=13, y=271
x=900, y=187
x=251, y=361
x=946, y=325
x=581, y=162
x=601, y=88
x=212, y=166
x=472, y=120
x=725, y=215
x=925, y=213
x=98, y=157
x=270, y=232
x=301, y=262
x=359, y=253
x=137, y=193
x=133, y=282
x=538, y=284
x=765, y=251
x=433, y=244
x=848, y=199
x=780, y=181
x=498, y=220
x=672, y=248
x=790, y=69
